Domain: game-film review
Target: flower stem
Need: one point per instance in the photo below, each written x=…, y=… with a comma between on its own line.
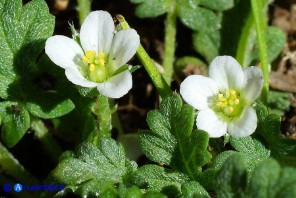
x=12, y=167
x=103, y=111
x=48, y=143
x=83, y=9
x=159, y=82
x=260, y=23
x=169, y=43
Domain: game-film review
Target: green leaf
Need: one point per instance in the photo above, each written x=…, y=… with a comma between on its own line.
x=193, y=189
x=172, y=140
x=198, y=18
x=23, y=31
x=269, y=179
x=208, y=177
x=232, y=178
x=15, y=123
x=156, y=178
x=93, y=168
x=275, y=40
x=217, y=4
x=283, y=149
x=49, y=105
x=251, y=149
x=151, y=8
x=207, y=44
x=278, y=102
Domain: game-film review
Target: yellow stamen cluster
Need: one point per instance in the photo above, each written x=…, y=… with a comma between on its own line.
x=94, y=60
x=228, y=101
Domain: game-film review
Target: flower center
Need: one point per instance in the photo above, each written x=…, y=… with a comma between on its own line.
x=96, y=70
x=228, y=104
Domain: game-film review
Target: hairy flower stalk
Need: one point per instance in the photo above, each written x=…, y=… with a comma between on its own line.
x=225, y=99
x=96, y=61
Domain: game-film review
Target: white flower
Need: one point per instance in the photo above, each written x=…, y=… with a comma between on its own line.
x=224, y=99
x=101, y=53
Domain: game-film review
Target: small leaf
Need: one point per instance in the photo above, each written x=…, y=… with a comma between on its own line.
x=151, y=8
x=193, y=189
x=207, y=44
x=49, y=105
x=93, y=168
x=232, y=178
x=172, y=140
x=275, y=41
x=251, y=149
x=198, y=18
x=156, y=178
x=15, y=124
x=217, y=4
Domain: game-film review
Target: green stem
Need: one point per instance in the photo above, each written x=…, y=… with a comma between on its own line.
x=260, y=23
x=12, y=167
x=170, y=43
x=103, y=111
x=48, y=142
x=159, y=82
x=83, y=9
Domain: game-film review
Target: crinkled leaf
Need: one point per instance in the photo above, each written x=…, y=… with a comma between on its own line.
x=269, y=179
x=207, y=44
x=283, y=149
x=251, y=149
x=23, y=31
x=49, y=105
x=93, y=167
x=278, y=102
x=172, y=140
x=156, y=178
x=5, y=82
x=232, y=178
x=208, y=177
x=198, y=18
x=217, y=4
x=151, y=8
x=16, y=122
x=193, y=189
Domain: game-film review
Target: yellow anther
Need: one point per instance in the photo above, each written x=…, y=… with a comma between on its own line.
x=236, y=101
x=89, y=54
x=102, y=61
x=232, y=92
x=101, y=55
x=229, y=109
x=219, y=104
x=222, y=99
x=92, y=67
x=85, y=59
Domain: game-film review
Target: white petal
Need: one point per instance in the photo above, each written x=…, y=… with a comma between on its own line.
x=196, y=89
x=116, y=86
x=208, y=121
x=76, y=78
x=253, y=85
x=245, y=125
x=227, y=73
x=124, y=46
x=63, y=51
x=97, y=32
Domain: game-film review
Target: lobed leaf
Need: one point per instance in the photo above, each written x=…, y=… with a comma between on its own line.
x=172, y=140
